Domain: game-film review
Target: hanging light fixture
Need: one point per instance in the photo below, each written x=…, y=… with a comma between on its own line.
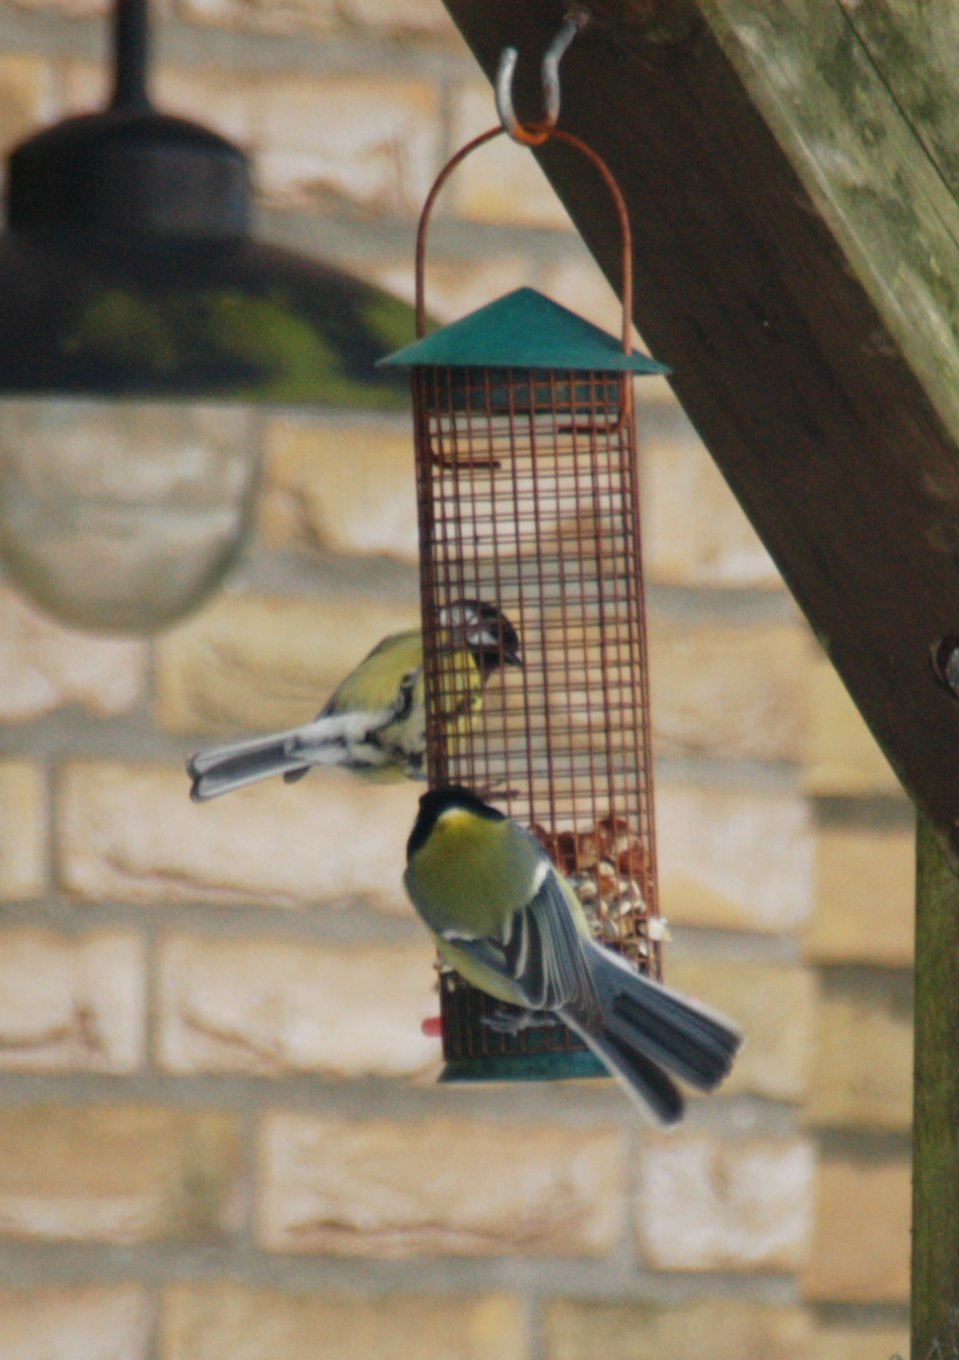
x=128, y=271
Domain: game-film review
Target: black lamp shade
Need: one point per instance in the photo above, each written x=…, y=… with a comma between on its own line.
x=128, y=270
x=82, y=313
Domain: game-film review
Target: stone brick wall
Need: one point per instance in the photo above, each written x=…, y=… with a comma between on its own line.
x=220, y=1135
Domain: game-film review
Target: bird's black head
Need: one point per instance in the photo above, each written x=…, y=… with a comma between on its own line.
x=486, y=632
x=437, y=801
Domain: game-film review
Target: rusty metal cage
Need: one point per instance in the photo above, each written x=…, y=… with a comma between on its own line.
x=528, y=498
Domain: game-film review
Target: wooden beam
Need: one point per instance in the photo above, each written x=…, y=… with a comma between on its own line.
x=797, y=264
x=935, y=1176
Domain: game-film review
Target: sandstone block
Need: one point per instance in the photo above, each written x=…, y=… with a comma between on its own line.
x=860, y=1247
x=26, y=89
x=734, y=860
x=774, y=1006
x=707, y=1203
x=227, y=1321
x=574, y=279
x=221, y=99
x=71, y=1004
x=45, y=666
x=501, y=182
x=342, y=488
x=865, y=896
x=249, y=664
x=863, y=1069
x=726, y=1329
x=694, y=532
x=397, y=19
x=439, y=1187
x=92, y=1322
x=842, y=757
x=402, y=18
x=118, y=1174
x=218, y=99
x=23, y=830
x=273, y=1008
x=130, y=833
x=76, y=9
x=452, y=289
x=852, y=1342
x=315, y=17
x=733, y=691
x=379, y=151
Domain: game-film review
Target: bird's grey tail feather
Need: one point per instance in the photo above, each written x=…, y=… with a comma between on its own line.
x=217, y=756
x=694, y=1043
x=648, y=1086
x=231, y=767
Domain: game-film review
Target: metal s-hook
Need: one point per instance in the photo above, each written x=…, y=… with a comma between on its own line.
x=575, y=21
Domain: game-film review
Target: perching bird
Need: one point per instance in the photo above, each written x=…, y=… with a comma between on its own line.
x=509, y=923
x=375, y=722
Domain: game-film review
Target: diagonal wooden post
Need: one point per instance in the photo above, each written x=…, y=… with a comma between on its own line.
x=935, y=1194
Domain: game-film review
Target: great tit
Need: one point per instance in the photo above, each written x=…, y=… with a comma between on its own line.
x=375, y=722
x=509, y=923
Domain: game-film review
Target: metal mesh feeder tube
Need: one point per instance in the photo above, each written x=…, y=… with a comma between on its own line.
x=525, y=440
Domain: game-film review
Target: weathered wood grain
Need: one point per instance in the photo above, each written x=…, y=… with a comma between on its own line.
x=935, y=1177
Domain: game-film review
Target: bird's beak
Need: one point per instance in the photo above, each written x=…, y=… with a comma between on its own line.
x=511, y=657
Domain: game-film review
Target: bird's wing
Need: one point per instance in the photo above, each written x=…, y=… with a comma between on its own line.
x=376, y=685
x=541, y=952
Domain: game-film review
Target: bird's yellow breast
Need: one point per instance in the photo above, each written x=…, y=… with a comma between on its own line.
x=465, y=877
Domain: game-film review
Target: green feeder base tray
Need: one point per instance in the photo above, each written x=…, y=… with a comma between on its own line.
x=525, y=1067
x=475, y=1050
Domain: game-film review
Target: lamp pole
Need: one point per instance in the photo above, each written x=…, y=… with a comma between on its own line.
x=131, y=37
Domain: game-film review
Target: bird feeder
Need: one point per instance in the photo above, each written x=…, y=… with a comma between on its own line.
x=527, y=497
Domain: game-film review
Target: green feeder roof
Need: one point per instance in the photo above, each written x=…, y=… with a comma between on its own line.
x=524, y=329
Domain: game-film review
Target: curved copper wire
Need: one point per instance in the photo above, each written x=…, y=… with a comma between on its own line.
x=595, y=159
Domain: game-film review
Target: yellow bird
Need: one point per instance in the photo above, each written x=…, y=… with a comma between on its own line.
x=375, y=722
x=509, y=923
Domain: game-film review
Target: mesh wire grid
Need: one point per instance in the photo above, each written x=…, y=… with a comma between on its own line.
x=528, y=498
